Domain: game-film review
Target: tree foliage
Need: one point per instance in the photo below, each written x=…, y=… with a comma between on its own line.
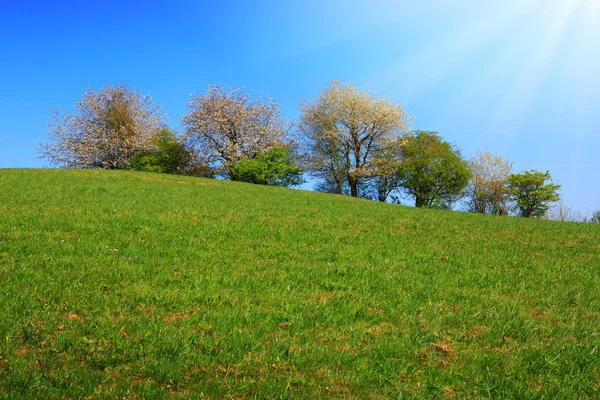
x=432, y=170
x=274, y=167
x=346, y=130
x=532, y=194
x=595, y=217
x=488, y=189
x=225, y=125
x=108, y=127
x=168, y=155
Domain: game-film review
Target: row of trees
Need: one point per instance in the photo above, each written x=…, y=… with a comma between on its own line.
x=352, y=142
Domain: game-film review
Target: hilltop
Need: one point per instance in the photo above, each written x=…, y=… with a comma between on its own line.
x=129, y=284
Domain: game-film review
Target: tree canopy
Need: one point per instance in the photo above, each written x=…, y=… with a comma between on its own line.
x=488, y=189
x=168, y=155
x=345, y=131
x=432, y=171
x=274, y=167
x=225, y=125
x=108, y=127
x=533, y=191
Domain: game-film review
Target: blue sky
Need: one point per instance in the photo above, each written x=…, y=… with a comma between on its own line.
x=519, y=78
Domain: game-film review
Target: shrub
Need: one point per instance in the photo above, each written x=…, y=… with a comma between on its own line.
x=275, y=167
x=169, y=155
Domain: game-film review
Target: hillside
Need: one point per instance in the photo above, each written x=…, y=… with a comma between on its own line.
x=122, y=284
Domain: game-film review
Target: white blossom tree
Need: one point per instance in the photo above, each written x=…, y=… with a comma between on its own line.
x=347, y=132
x=225, y=125
x=488, y=189
x=108, y=127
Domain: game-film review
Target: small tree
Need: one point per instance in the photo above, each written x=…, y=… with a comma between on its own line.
x=564, y=213
x=226, y=125
x=488, y=189
x=108, y=128
x=595, y=217
x=432, y=170
x=532, y=194
x=274, y=167
x=169, y=155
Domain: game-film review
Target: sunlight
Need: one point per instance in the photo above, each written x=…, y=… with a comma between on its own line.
x=585, y=63
x=519, y=97
x=431, y=64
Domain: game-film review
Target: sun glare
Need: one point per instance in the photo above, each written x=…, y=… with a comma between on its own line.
x=592, y=3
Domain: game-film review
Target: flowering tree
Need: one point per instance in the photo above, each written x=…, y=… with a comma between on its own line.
x=226, y=125
x=488, y=189
x=108, y=127
x=346, y=130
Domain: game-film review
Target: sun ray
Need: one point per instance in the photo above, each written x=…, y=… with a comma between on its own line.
x=520, y=95
x=425, y=68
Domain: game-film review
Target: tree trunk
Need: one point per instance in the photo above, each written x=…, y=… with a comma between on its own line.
x=353, y=183
x=340, y=187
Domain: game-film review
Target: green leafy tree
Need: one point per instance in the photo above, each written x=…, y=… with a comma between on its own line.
x=432, y=170
x=274, y=167
x=595, y=218
x=533, y=191
x=169, y=155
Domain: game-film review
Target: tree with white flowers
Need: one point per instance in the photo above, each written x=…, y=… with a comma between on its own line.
x=108, y=127
x=348, y=133
x=226, y=125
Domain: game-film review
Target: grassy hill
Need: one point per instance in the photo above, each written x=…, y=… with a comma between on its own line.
x=122, y=284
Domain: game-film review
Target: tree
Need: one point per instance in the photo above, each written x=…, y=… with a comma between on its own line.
x=345, y=130
x=595, y=217
x=488, y=189
x=168, y=155
x=387, y=179
x=564, y=213
x=432, y=170
x=226, y=125
x=532, y=194
x=108, y=128
x=274, y=167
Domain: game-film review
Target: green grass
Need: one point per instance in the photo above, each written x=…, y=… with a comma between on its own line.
x=122, y=284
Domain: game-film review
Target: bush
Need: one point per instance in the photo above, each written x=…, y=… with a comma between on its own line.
x=275, y=167
x=169, y=155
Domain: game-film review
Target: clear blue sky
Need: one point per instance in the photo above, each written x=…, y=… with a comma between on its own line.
x=520, y=78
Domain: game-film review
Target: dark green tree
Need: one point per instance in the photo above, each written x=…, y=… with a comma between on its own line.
x=595, y=217
x=168, y=155
x=532, y=194
x=274, y=167
x=432, y=170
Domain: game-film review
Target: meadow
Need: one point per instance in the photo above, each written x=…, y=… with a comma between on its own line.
x=137, y=285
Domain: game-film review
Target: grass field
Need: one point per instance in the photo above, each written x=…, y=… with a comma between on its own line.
x=122, y=284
